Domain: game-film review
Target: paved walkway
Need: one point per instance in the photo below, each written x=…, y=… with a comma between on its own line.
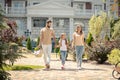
x=90, y=71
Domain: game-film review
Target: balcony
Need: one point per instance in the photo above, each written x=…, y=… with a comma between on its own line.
x=13, y=11
x=83, y=13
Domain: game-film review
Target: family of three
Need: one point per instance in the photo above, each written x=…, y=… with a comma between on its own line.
x=47, y=33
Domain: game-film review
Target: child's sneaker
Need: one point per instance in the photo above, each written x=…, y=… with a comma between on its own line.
x=62, y=68
x=79, y=68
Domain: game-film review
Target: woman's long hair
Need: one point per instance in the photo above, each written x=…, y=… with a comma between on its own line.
x=79, y=26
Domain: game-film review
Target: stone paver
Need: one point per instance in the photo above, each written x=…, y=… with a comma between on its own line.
x=90, y=71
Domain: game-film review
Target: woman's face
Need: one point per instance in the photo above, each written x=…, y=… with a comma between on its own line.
x=79, y=28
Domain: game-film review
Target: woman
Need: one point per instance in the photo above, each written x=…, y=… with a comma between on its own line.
x=63, y=48
x=78, y=42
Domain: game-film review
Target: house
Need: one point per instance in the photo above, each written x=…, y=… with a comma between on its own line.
x=31, y=15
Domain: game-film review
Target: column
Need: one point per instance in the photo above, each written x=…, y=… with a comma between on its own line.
x=29, y=23
x=71, y=28
x=29, y=26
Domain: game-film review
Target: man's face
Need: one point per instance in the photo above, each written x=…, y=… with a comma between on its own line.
x=49, y=24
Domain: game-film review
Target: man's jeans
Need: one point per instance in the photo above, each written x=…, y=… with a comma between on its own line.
x=79, y=53
x=47, y=51
x=63, y=56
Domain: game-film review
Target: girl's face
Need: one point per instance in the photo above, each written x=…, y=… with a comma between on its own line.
x=63, y=36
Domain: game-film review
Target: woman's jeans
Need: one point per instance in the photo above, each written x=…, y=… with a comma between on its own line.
x=79, y=53
x=63, y=56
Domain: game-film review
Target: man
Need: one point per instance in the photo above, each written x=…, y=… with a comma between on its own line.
x=46, y=35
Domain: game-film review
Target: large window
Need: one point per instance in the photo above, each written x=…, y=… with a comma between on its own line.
x=18, y=4
x=60, y=22
x=39, y=22
x=21, y=26
x=97, y=8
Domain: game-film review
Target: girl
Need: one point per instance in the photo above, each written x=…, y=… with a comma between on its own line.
x=78, y=42
x=63, y=48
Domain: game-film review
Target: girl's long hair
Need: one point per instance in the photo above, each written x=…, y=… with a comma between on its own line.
x=79, y=26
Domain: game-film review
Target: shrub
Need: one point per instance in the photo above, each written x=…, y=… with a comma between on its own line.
x=36, y=48
x=114, y=57
x=98, y=52
x=29, y=46
x=106, y=37
x=89, y=39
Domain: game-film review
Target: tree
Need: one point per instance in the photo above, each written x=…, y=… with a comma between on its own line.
x=116, y=30
x=29, y=46
x=99, y=26
x=8, y=46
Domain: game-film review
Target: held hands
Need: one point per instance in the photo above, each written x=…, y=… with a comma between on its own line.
x=39, y=46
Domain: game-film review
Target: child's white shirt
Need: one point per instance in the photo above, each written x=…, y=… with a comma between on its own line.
x=63, y=47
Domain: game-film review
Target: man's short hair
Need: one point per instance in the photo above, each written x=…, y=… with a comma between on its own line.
x=48, y=21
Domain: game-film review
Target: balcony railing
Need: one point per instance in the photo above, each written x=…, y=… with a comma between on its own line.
x=83, y=13
x=15, y=11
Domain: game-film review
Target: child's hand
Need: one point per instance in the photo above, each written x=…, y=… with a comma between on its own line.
x=56, y=46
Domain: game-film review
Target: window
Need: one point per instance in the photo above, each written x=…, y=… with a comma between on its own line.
x=39, y=22
x=18, y=4
x=61, y=22
x=71, y=3
x=80, y=6
x=88, y=5
x=98, y=7
x=104, y=6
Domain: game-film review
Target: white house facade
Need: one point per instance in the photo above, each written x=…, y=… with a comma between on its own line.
x=65, y=14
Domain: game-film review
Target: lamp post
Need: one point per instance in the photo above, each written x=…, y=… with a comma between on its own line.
x=27, y=33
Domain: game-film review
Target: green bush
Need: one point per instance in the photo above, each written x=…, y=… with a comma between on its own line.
x=114, y=56
x=29, y=46
x=89, y=39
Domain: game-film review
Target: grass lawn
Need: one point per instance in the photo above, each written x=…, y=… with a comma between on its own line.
x=23, y=67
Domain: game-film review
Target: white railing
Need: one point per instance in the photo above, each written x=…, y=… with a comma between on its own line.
x=83, y=13
x=14, y=10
